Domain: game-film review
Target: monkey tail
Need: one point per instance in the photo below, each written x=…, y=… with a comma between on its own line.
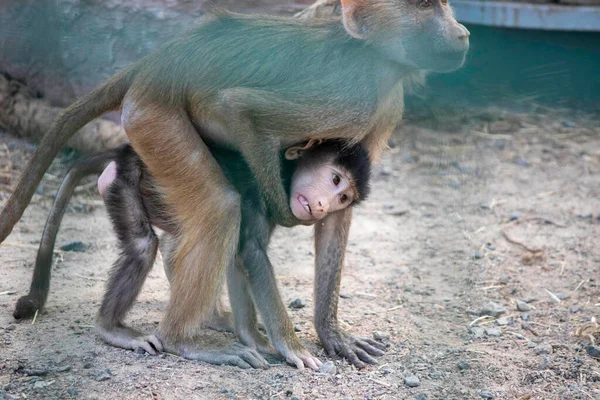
x=35, y=300
x=106, y=97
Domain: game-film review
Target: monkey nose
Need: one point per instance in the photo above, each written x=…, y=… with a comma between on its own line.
x=463, y=32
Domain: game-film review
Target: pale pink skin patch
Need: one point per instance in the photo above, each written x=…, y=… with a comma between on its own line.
x=107, y=178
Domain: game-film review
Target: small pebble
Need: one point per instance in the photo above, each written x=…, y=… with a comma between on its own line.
x=477, y=331
x=411, y=381
x=72, y=391
x=65, y=368
x=297, y=328
x=575, y=309
x=478, y=255
x=484, y=394
x=41, y=384
x=10, y=328
x=513, y=216
x=522, y=306
x=492, y=308
x=525, y=316
x=593, y=351
x=345, y=295
x=463, y=365
x=493, y=332
x=103, y=376
x=328, y=368
x=543, y=349
x=421, y=396
x=380, y=335
x=503, y=321
x=75, y=246
x=88, y=365
x=435, y=375
x=223, y=390
x=298, y=303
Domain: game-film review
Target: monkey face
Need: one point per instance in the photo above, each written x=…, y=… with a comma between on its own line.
x=419, y=33
x=320, y=189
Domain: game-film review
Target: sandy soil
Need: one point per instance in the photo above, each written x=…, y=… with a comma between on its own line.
x=499, y=210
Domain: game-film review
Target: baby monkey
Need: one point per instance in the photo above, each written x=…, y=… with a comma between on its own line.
x=320, y=178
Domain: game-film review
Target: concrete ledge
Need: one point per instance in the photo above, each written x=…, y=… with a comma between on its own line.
x=527, y=16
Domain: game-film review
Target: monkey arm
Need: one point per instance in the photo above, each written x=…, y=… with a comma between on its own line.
x=331, y=237
x=260, y=149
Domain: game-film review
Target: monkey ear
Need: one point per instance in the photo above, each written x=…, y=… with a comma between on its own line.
x=297, y=151
x=352, y=25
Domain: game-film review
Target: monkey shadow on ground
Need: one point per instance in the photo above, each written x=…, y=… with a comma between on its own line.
x=496, y=211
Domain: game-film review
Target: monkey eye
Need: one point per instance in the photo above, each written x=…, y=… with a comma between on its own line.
x=425, y=3
x=336, y=179
x=343, y=198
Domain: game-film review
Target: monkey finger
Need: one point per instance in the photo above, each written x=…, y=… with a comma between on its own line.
x=155, y=342
x=293, y=360
x=351, y=356
x=364, y=356
x=372, y=350
x=311, y=362
x=237, y=361
x=142, y=344
x=256, y=360
x=375, y=343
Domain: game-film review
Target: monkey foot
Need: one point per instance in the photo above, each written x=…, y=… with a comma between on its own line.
x=235, y=354
x=357, y=351
x=128, y=338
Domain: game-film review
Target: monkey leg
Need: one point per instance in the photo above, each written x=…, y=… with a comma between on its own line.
x=266, y=296
x=331, y=236
x=206, y=209
x=138, y=244
x=244, y=312
x=219, y=319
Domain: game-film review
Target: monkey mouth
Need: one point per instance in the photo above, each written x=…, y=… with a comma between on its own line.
x=304, y=203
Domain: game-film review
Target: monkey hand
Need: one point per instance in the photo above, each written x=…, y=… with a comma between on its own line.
x=296, y=354
x=357, y=351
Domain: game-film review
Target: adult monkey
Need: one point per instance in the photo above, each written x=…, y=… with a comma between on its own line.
x=258, y=84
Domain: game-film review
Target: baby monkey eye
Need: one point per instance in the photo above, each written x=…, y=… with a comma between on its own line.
x=425, y=3
x=343, y=198
x=336, y=179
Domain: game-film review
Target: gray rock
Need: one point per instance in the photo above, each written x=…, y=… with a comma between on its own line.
x=575, y=309
x=522, y=306
x=72, y=391
x=513, y=216
x=593, y=351
x=297, y=328
x=543, y=349
x=412, y=381
x=421, y=396
x=478, y=255
x=435, y=374
x=381, y=335
x=345, y=295
x=88, y=365
x=41, y=384
x=485, y=394
x=463, y=365
x=493, y=309
x=298, y=303
x=103, y=375
x=328, y=368
x=477, y=331
x=503, y=321
x=493, y=332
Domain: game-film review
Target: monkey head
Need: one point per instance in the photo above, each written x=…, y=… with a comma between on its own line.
x=328, y=176
x=421, y=34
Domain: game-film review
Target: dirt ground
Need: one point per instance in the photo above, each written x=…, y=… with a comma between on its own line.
x=490, y=208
